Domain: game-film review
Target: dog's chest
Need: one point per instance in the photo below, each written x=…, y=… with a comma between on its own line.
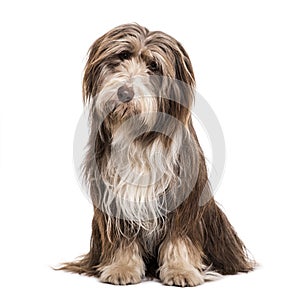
x=140, y=173
x=137, y=183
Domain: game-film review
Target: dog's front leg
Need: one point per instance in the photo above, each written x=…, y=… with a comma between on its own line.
x=180, y=263
x=125, y=265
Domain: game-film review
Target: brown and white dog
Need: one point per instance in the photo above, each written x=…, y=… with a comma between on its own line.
x=154, y=212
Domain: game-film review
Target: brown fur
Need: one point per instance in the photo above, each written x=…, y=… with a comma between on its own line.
x=203, y=231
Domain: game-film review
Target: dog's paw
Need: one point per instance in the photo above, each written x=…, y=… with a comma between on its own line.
x=120, y=274
x=186, y=277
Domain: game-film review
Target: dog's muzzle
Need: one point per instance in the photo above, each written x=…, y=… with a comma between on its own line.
x=125, y=93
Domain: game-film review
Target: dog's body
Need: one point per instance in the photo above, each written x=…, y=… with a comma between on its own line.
x=144, y=221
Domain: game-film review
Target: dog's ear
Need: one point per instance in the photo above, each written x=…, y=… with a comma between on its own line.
x=184, y=92
x=183, y=66
x=92, y=70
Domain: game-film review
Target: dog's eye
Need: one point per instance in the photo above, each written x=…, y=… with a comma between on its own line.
x=124, y=55
x=153, y=66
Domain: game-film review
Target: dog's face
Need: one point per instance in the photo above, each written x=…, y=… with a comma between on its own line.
x=126, y=71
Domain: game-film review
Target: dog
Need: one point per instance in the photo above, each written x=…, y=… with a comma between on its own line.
x=154, y=211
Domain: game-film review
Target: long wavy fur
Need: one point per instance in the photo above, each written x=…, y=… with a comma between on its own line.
x=198, y=219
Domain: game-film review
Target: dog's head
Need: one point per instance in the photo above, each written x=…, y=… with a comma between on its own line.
x=132, y=71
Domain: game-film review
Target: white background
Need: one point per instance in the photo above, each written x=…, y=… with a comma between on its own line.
x=247, y=63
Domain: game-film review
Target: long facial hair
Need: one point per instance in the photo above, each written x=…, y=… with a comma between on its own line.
x=144, y=167
x=139, y=169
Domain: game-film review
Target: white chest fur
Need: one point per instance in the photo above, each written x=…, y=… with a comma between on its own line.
x=136, y=179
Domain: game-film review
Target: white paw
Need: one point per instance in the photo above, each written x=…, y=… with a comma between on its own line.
x=181, y=277
x=120, y=274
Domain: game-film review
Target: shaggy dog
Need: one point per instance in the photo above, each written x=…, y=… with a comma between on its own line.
x=154, y=212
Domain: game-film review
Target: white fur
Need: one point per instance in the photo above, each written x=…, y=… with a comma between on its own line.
x=182, y=265
x=126, y=267
x=136, y=180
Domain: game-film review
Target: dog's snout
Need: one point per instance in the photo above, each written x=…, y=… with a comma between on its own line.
x=125, y=93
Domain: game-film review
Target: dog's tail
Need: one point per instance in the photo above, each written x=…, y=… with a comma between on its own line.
x=87, y=264
x=223, y=248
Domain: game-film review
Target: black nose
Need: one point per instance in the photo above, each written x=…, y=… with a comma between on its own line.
x=125, y=93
